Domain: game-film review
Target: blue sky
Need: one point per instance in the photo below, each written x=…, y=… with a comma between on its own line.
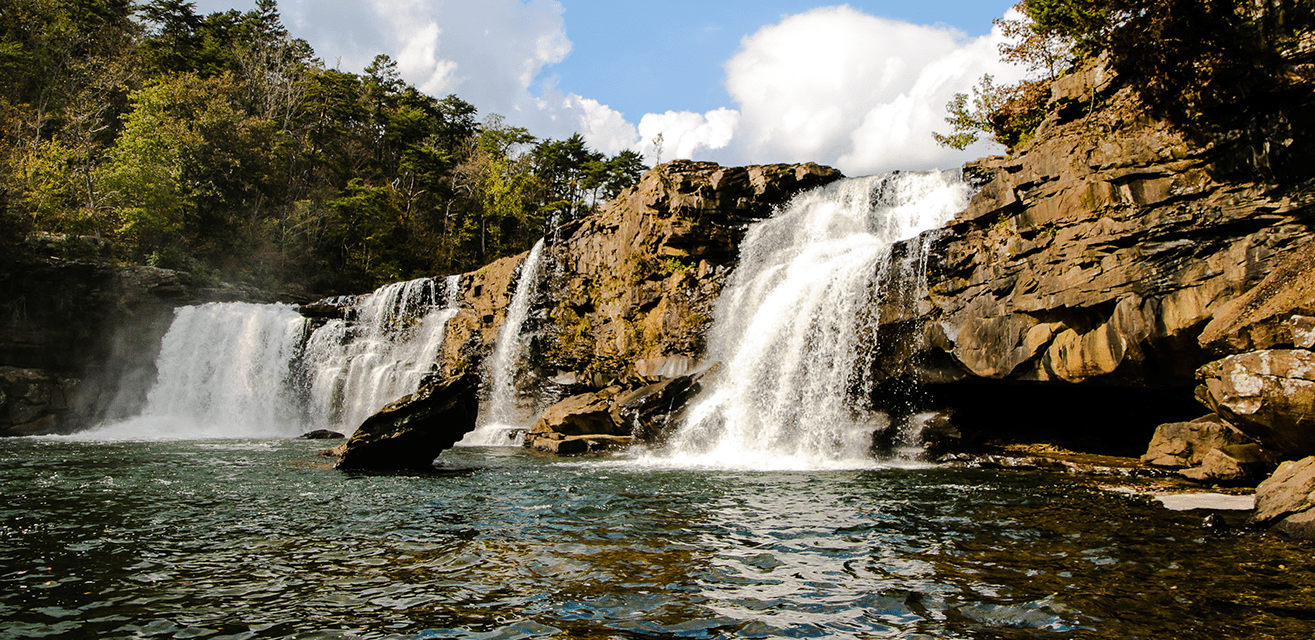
x=859, y=86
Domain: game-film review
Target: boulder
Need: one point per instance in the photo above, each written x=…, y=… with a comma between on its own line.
x=653, y=411
x=1186, y=444
x=584, y=414
x=1286, y=501
x=568, y=445
x=411, y=432
x=1268, y=395
x=1231, y=464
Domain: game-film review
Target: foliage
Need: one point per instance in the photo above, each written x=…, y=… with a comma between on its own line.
x=1010, y=114
x=218, y=143
x=1196, y=62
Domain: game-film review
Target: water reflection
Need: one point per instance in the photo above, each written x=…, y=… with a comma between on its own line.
x=260, y=540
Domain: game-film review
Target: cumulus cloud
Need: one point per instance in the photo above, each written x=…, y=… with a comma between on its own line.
x=685, y=133
x=860, y=92
x=832, y=85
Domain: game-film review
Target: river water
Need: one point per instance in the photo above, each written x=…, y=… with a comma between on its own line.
x=262, y=539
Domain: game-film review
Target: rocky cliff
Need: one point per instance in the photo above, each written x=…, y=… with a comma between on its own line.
x=1069, y=300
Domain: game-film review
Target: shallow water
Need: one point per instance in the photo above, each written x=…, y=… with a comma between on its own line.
x=260, y=539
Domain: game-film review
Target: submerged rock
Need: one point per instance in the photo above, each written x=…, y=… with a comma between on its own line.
x=321, y=434
x=410, y=433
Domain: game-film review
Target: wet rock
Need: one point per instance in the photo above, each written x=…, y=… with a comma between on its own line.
x=652, y=412
x=1215, y=522
x=1268, y=395
x=321, y=434
x=1286, y=501
x=584, y=414
x=632, y=287
x=1232, y=464
x=926, y=435
x=411, y=432
x=1186, y=444
x=570, y=445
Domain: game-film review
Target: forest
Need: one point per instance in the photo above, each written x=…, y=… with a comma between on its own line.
x=220, y=145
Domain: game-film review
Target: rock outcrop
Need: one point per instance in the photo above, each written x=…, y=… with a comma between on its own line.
x=616, y=417
x=625, y=296
x=1286, y=501
x=634, y=284
x=1093, y=259
x=411, y=432
x=1208, y=450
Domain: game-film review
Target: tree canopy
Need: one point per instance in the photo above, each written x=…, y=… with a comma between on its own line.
x=1195, y=62
x=219, y=144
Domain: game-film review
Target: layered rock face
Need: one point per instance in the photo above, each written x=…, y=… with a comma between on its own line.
x=628, y=292
x=1091, y=261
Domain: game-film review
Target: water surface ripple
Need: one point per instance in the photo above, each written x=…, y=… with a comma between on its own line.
x=260, y=539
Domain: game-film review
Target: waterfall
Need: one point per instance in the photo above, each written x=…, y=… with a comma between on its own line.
x=501, y=418
x=790, y=325
x=224, y=371
x=357, y=367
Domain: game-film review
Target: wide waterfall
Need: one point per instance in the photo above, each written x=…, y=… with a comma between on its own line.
x=357, y=367
x=791, y=324
x=225, y=371
x=236, y=370
x=502, y=418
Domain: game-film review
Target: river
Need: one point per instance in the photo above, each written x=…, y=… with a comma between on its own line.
x=263, y=539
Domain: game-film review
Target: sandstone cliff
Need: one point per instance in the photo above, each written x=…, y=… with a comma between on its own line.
x=1068, y=301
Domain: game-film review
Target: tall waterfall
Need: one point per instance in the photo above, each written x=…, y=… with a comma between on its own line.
x=501, y=416
x=357, y=367
x=225, y=371
x=790, y=325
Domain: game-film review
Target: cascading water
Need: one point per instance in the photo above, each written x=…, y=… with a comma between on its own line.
x=501, y=417
x=356, y=368
x=224, y=372
x=790, y=326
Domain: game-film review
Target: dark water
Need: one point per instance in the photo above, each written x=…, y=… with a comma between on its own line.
x=259, y=539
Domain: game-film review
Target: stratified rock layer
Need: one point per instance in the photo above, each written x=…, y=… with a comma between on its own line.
x=626, y=295
x=1096, y=255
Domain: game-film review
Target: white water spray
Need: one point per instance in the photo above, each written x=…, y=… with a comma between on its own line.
x=356, y=368
x=790, y=326
x=501, y=417
x=224, y=372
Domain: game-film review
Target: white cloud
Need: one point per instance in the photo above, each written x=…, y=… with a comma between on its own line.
x=831, y=85
x=685, y=133
x=862, y=93
x=489, y=52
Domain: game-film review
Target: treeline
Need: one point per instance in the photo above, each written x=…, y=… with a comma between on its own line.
x=1199, y=63
x=219, y=144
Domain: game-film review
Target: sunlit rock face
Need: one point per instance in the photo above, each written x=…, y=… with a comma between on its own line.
x=1096, y=255
x=627, y=293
